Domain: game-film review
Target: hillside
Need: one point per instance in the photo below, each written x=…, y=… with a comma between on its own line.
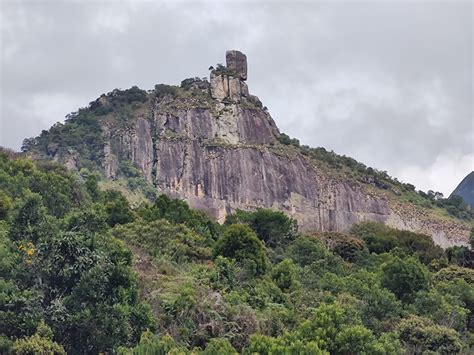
x=216, y=146
x=81, y=272
x=465, y=189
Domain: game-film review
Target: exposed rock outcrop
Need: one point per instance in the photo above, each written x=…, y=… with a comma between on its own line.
x=227, y=83
x=237, y=61
x=222, y=161
x=212, y=144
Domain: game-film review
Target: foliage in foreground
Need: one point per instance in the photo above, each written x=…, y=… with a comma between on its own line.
x=70, y=283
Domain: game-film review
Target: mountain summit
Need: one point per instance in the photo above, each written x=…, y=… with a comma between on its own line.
x=465, y=189
x=213, y=144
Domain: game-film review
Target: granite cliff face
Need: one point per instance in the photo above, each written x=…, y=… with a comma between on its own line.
x=213, y=144
x=226, y=156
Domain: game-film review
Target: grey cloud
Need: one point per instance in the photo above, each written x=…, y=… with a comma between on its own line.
x=389, y=83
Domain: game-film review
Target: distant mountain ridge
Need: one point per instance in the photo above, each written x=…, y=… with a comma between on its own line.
x=465, y=189
x=216, y=146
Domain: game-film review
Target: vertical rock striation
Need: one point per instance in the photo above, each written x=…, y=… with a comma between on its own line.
x=237, y=61
x=229, y=83
x=212, y=144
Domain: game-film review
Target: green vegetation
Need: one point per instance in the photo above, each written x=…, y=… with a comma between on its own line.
x=39, y=343
x=404, y=277
x=117, y=99
x=454, y=205
x=221, y=69
x=81, y=271
x=380, y=238
x=272, y=227
x=241, y=244
x=66, y=284
x=80, y=136
x=346, y=246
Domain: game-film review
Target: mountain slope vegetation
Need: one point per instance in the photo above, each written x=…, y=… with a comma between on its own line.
x=84, y=272
x=82, y=142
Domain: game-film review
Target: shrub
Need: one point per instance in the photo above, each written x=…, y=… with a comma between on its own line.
x=264, y=345
x=163, y=90
x=343, y=245
x=284, y=274
x=420, y=335
x=224, y=274
x=272, y=227
x=39, y=343
x=306, y=250
x=223, y=70
x=452, y=273
x=177, y=211
x=5, y=204
x=218, y=346
x=404, y=277
x=117, y=208
x=128, y=169
x=355, y=339
x=161, y=238
x=286, y=140
x=380, y=238
x=239, y=242
x=29, y=219
x=152, y=344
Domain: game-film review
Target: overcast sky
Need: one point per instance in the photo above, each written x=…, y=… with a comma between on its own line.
x=388, y=83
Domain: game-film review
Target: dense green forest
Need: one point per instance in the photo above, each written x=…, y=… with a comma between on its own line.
x=83, y=272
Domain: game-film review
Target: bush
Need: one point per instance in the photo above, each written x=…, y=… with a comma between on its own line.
x=272, y=227
x=380, y=238
x=346, y=246
x=453, y=273
x=5, y=204
x=239, y=242
x=461, y=256
x=161, y=238
x=163, y=90
x=218, y=346
x=39, y=343
x=315, y=258
x=177, y=211
x=456, y=206
x=286, y=140
x=29, y=219
x=116, y=99
x=307, y=250
x=152, y=344
x=117, y=208
x=223, y=70
x=284, y=274
x=81, y=134
x=264, y=345
x=224, y=274
x=355, y=339
x=420, y=335
x=404, y=277
x=128, y=170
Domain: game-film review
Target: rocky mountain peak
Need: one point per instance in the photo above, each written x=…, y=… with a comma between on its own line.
x=465, y=189
x=237, y=61
x=216, y=146
x=228, y=82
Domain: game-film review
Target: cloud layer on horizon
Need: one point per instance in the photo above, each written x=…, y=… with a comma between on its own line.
x=390, y=84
